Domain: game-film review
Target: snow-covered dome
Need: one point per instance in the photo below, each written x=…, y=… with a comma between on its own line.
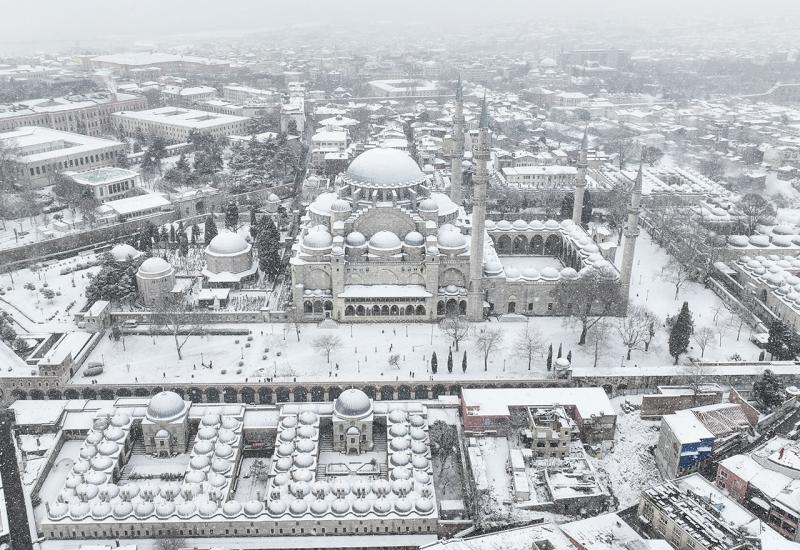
x=450, y=237
x=317, y=239
x=227, y=244
x=492, y=266
x=231, y=508
x=551, y=225
x=547, y=63
x=504, y=225
x=123, y=252
x=253, y=508
x=101, y=510
x=512, y=273
x=186, y=509
x=352, y=403
x=319, y=507
x=569, y=273
x=520, y=225
x=550, y=273
x=414, y=238
x=166, y=405
x=530, y=274
x=122, y=509
x=153, y=267
x=384, y=241
x=355, y=238
x=384, y=169
x=340, y=205
x=308, y=418
x=144, y=509
x=276, y=507
x=428, y=205
x=207, y=509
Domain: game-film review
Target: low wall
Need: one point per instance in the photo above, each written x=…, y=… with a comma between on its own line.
x=657, y=405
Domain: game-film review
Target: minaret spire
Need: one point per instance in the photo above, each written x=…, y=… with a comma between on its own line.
x=478, y=237
x=631, y=232
x=580, y=179
x=456, y=191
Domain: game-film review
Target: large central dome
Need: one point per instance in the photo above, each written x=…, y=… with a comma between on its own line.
x=384, y=169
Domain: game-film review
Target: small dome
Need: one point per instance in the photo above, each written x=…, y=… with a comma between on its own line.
x=551, y=225
x=450, y=237
x=361, y=506
x=414, y=238
x=165, y=509
x=122, y=509
x=308, y=418
x=398, y=430
x=402, y=506
x=512, y=273
x=303, y=460
x=317, y=239
x=221, y=465
x=354, y=238
x=298, y=507
x=530, y=274
x=569, y=273
x=231, y=508
x=101, y=510
x=210, y=419
x=305, y=445
x=227, y=244
x=108, y=448
x=95, y=478
x=400, y=473
x=226, y=436
x=399, y=444
x=120, y=420
x=208, y=509
x=384, y=240
x=207, y=433
x=199, y=462
x=186, y=509
x=203, y=447
x=319, y=507
x=504, y=225
x=492, y=266
x=253, y=508
x=144, y=509
x=416, y=420
x=58, y=510
x=397, y=416
x=101, y=463
x=382, y=506
x=340, y=507
x=195, y=476
x=123, y=252
x=276, y=507
x=520, y=225
x=165, y=405
x=550, y=273
x=352, y=403
x=283, y=464
x=302, y=474
x=423, y=505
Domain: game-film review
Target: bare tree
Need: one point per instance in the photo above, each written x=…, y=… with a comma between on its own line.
x=529, y=343
x=394, y=360
x=598, y=337
x=588, y=299
x=456, y=327
x=486, y=342
x=677, y=273
x=444, y=442
x=326, y=344
x=634, y=329
x=618, y=200
x=550, y=201
x=696, y=374
x=703, y=337
x=174, y=314
x=756, y=209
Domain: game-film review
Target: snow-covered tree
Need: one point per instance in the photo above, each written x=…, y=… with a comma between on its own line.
x=529, y=343
x=681, y=333
x=210, y=229
x=487, y=341
x=634, y=329
x=327, y=344
x=768, y=390
x=703, y=337
x=588, y=300
x=456, y=327
x=756, y=210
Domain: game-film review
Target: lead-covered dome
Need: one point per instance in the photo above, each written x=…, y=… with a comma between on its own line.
x=384, y=242
x=227, y=244
x=385, y=169
x=153, y=267
x=165, y=405
x=352, y=403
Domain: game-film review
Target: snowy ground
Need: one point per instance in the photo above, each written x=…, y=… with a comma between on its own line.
x=630, y=467
x=52, y=485
x=32, y=311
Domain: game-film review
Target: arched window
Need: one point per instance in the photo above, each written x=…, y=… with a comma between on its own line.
x=409, y=310
x=360, y=311
x=420, y=310
x=385, y=310
x=440, y=308
x=307, y=307
x=394, y=310
x=349, y=311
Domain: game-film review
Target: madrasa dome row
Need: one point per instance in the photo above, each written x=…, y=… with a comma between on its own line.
x=383, y=246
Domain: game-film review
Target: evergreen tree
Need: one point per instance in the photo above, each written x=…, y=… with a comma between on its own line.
x=183, y=245
x=587, y=210
x=779, y=341
x=172, y=237
x=450, y=361
x=210, y=229
x=681, y=332
x=268, y=246
x=434, y=363
x=550, y=357
x=559, y=351
x=195, y=232
x=566, y=206
x=464, y=362
x=569, y=356
x=768, y=390
x=231, y=216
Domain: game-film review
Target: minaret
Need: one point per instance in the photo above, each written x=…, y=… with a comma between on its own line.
x=479, y=182
x=580, y=179
x=456, y=193
x=631, y=232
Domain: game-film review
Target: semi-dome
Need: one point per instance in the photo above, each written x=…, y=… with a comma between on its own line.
x=352, y=403
x=383, y=168
x=227, y=244
x=384, y=240
x=340, y=205
x=428, y=205
x=123, y=252
x=165, y=405
x=154, y=266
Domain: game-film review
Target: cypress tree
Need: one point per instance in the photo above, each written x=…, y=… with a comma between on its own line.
x=550, y=357
x=464, y=362
x=778, y=343
x=559, y=351
x=231, y=216
x=450, y=360
x=434, y=363
x=681, y=332
x=210, y=229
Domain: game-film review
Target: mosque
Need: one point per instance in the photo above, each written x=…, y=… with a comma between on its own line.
x=384, y=247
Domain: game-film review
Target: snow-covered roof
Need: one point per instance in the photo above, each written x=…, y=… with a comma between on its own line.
x=496, y=401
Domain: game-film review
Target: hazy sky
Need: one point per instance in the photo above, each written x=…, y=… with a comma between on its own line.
x=52, y=21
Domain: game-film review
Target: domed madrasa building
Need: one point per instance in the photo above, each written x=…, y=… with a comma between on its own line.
x=229, y=261
x=155, y=279
x=382, y=246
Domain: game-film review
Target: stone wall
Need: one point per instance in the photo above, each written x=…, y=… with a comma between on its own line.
x=659, y=404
